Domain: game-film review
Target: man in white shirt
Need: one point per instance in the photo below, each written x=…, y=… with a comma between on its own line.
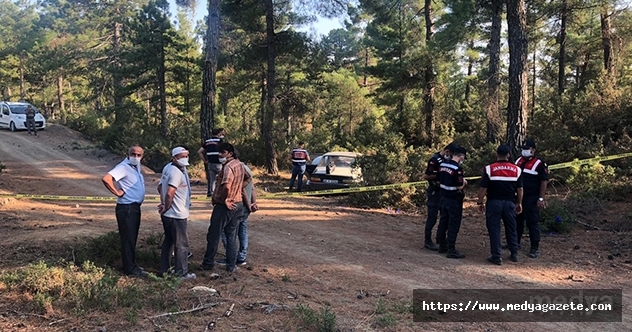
x=126, y=181
x=175, y=199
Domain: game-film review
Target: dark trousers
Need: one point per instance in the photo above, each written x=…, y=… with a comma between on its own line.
x=496, y=211
x=530, y=214
x=450, y=221
x=434, y=204
x=175, y=237
x=128, y=220
x=211, y=174
x=297, y=171
x=30, y=125
x=227, y=221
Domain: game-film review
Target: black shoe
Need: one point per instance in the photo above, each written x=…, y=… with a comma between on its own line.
x=430, y=245
x=443, y=249
x=534, y=253
x=232, y=270
x=138, y=274
x=206, y=267
x=514, y=258
x=453, y=253
x=495, y=260
x=220, y=262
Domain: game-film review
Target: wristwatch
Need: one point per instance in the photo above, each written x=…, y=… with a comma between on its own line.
x=541, y=199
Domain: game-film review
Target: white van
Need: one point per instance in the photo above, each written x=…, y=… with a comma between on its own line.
x=12, y=116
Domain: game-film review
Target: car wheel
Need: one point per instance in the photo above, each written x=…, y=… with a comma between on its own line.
x=12, y=126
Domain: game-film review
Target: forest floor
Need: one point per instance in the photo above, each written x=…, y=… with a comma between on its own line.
x=362, y=265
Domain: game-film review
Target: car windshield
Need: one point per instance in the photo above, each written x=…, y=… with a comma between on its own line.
x=338, y=161
x=20, y=109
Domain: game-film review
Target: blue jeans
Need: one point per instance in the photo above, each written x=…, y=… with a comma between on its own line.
x=297, y=170
x=211, y=173
x=242, y=234
x=226, y=221
x=497, y=210
x=175, y=236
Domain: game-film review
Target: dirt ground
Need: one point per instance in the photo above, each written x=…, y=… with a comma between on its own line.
x=363, y=264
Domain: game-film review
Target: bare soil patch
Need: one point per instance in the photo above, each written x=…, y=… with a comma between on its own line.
x=362, y=264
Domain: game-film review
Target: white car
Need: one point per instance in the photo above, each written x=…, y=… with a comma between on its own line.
x=12, y=116
x=336, y=170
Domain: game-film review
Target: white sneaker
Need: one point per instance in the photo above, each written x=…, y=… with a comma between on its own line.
x=188, y=276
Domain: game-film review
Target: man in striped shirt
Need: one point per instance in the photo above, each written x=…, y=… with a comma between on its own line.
x=502, y=183
x=227, y=200
x=452, y=183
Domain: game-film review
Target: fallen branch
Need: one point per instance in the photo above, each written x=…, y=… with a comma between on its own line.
x=57, y=321
x=202, y=307
x=587, y=224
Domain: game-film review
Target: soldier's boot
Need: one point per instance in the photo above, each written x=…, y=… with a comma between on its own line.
x=453, y=253
x=535, y=250
x=428, y=244
x=443, y=247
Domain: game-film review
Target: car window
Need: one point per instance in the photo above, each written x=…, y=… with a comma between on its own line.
x=338, y=161
x=20, y=109
x=5, y=110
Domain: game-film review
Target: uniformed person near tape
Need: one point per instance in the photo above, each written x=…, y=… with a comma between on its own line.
x=299, y=157
x=535, y=179
x=209, y=153
x=130, y=190
x=452, y=183
x=433, y=192
x=502, y=184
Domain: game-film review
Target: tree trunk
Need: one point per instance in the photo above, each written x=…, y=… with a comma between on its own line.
x=207, y=112
x=21, y=69
x=493, y=82
x=268, y=123
x=119, y=112
x=470, y=65
x=606, y=40
x=518, y=74
x=60, y=98
x=561, y=60
x=162, y=90
x=366, y=66
x=429, y=78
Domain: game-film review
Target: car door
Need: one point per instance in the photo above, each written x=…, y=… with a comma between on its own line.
x=5, y=116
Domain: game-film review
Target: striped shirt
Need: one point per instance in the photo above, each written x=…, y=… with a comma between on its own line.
x=534, y=172
x=233, y=175
x=450, y=178
x=502, y=178
x=299, y=156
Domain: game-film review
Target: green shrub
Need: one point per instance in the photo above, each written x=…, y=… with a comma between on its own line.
x=325, y=321
x=556, y=218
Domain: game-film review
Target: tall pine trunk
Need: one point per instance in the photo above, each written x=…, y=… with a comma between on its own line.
x=429, y=78
x=518, y=74
x=270, y=109
x=209, y=87
x=60, y=98
x=117, y=81
x=561, y=59
x=21, y=69
x=162, y=90
x=606, y=40
x=493, y=82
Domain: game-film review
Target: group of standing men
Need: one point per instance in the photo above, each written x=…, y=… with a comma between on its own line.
x=515, y=194
x=233, y=198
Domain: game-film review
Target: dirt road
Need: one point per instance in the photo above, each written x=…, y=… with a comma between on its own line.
x=302, y=250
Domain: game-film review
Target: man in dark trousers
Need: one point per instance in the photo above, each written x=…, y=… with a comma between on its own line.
x=210, y=155
x=30, y=120
x=535, y=179
x=452, y=183
x=299, y=157
x=433, y=192
x=502, y=183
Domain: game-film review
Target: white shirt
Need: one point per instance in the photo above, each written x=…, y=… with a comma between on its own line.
x=130, y=180
x=172, y=176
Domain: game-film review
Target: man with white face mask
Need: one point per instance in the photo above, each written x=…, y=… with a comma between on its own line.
x=175, y=200
x=535, y=173
x=130, y=190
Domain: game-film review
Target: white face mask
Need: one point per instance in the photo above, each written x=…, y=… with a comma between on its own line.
x=460, y=162
x=221, y=136
x=526, y=153
x=447, y=157
x=223, y=160
x=183, y=161
x=134, y=160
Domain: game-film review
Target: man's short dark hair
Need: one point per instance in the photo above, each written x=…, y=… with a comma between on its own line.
x=226, y=147
x=216, y=131
x=301, y=143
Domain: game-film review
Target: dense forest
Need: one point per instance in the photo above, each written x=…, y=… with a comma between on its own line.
x=400, y=80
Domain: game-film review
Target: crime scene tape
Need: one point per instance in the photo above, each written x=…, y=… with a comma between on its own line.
x=573, y=163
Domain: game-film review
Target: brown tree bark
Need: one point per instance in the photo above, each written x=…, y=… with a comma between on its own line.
x=561, y=59
x=60, y=98
x=606, y=40
x=271, y=100
x=518, y=74
x=162, y=90
x=21, y=69
x=493, y=82
x=117, y=81
x=429, y=79
x=209, y=87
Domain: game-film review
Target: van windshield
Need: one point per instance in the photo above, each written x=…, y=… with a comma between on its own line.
x=20, y=109
x=338, y=161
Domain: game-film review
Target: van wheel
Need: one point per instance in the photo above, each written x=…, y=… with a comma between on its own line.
x=12, y=126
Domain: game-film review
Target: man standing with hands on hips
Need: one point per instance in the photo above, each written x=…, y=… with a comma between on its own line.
x=502, y=183
x=535, y=179
x=175, y=200
x=130, y=190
